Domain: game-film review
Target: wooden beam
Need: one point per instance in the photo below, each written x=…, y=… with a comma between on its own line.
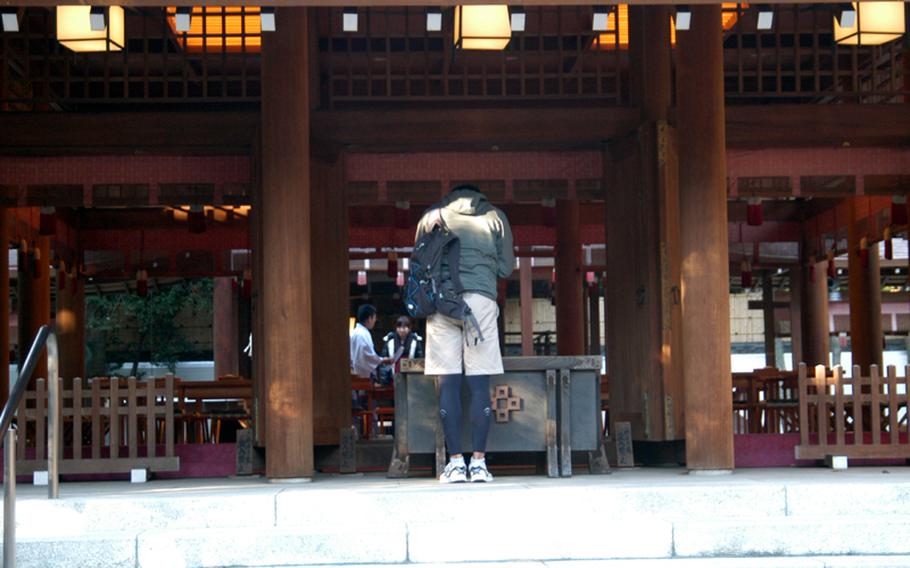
x=397, y=129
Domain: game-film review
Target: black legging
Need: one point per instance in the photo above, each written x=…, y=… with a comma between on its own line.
x=450, y=410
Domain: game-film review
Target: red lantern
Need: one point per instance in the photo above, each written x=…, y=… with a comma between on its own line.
x=142, y=283
x=548, y=212
x=402, y=214
x=899, y=210
x=391, y=267
x=246, y=284
x=754, y=214
x=36, y=263
x=47, y=224
x=745, y=273
x=889, y=248
x=197, y=219
x=864, y=252
x=61, y=276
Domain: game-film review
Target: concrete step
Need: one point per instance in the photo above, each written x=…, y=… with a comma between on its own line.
x=809, y=517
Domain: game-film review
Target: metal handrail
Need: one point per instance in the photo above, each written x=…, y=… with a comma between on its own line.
x=44, y=337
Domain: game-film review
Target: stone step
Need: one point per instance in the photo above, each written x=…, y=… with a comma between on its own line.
x=813, y=518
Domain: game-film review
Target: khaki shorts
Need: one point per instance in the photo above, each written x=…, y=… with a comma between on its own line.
x=451, y=347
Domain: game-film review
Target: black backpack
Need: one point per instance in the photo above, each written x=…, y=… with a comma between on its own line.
x=425, y=292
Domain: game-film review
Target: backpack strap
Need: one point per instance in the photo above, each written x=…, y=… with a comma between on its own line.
x=454, y=257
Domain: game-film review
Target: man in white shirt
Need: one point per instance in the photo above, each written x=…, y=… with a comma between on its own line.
x=364, y=360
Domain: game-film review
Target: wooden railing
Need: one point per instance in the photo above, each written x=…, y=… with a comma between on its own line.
x=99, y=419
x=857, y=417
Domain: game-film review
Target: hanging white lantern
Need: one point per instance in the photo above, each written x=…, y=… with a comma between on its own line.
x=361, y=277
x=876, y=23
x=74, y=29
x=399, y=280
x=482, y=27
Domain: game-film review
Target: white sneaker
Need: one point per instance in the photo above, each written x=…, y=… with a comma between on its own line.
x=479, y=472
x=454, y=473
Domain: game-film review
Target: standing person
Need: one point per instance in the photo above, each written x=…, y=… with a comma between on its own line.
x=402, y=338
x=455, y=351
x=364, y=360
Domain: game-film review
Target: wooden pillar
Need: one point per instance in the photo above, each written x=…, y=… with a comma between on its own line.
x=863, y=283
x=257, y=298
x=526, y=298
x=705, y=254
x=34, y=302
x=570, y=321
x=642, y=226
x=331, y=302
x=4, y=306
x=816, y=343
x=287, y=252
x=797, y=283
x=767, y=297
x=70, y=327
x=224, y=327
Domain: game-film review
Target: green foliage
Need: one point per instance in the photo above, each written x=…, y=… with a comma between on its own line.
x=150, y=321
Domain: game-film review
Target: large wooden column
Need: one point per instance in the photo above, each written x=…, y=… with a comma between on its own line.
x=4, y=306
x=703, y=230
x=70, y=326
x=286, y=248
x=816, y=343
x=331, y=302
x=34, y=302
x=570, y=321
x=642, y=226
x=865, y=290
x=224, y=328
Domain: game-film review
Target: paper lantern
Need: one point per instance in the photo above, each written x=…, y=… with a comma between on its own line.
x=47, y=222
x=548, y=212
x=899, y=210
x=246, y=283
x=142, y=283
x=754, y=213
x=399, y=279
x=482, y=27
x=36, y=263
x=74, y=29
x=402, y=214
x=361, y=277
x=745, y=273
x=197, y=219
x=391, y=267
x=876, y=23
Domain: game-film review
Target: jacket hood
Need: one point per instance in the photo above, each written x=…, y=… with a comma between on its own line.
x=467, y=202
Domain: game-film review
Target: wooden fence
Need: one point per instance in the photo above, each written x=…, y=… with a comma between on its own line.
x=857, y=417
x=107, y=426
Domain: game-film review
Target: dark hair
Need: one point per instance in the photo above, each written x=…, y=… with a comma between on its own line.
x=403, y=320
x=467, y=186
x=365, y=312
